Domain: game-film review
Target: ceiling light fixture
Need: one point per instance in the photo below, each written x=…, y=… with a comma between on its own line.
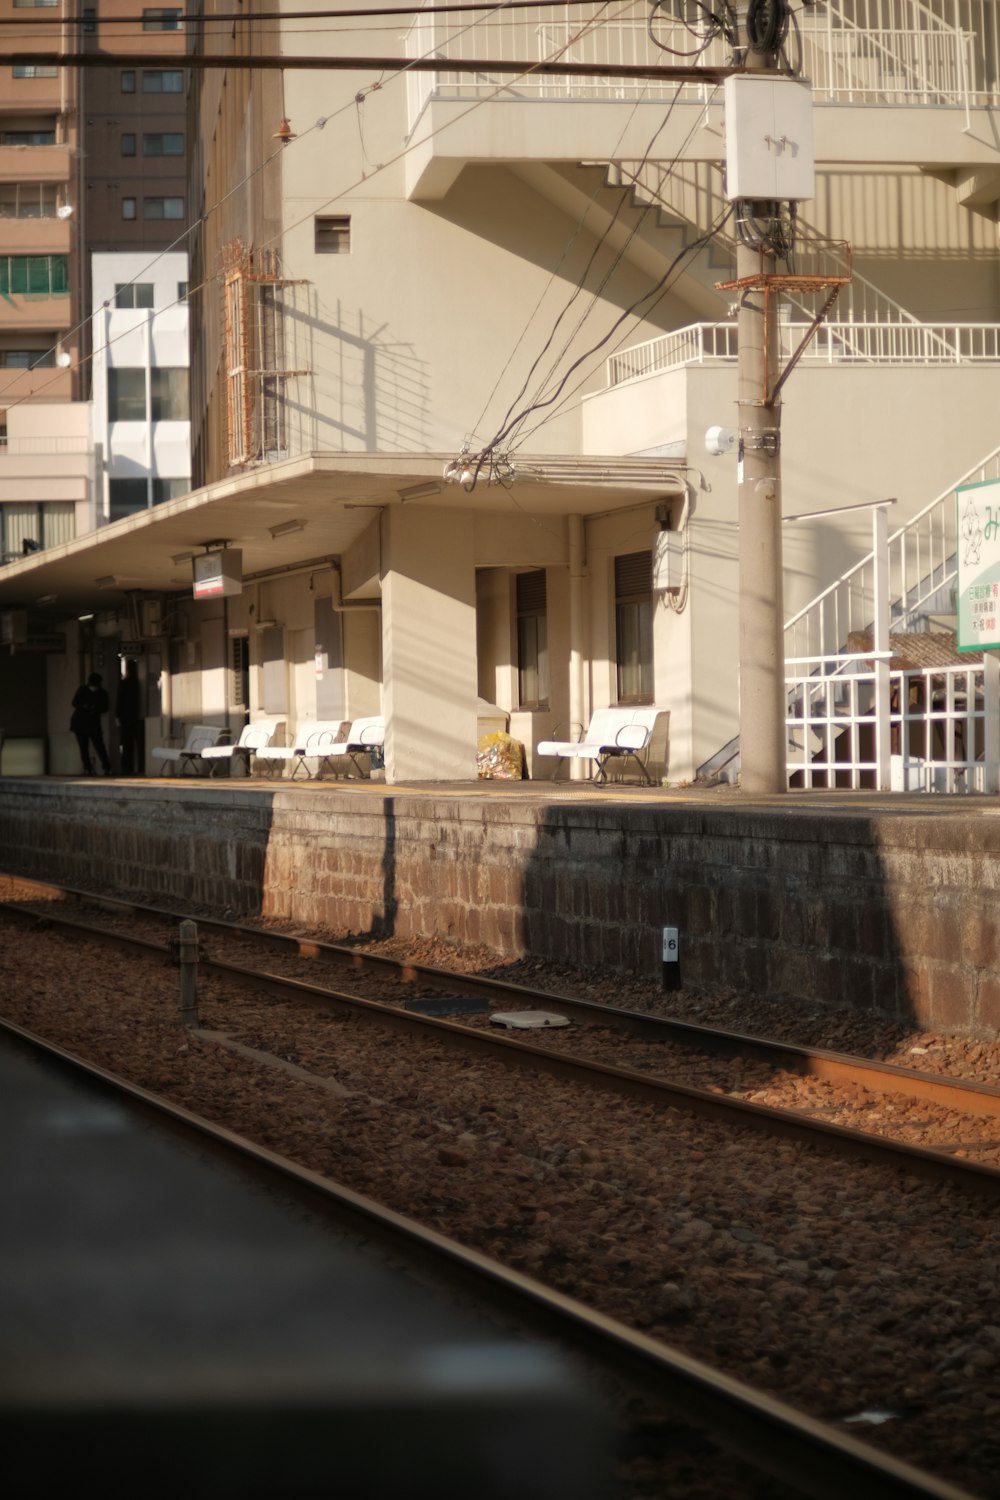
x=109, y=582
x=286, y=528
x=419, y=491
x=181, y=557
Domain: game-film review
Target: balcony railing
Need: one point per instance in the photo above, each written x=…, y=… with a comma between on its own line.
x=834, y=344
x=901, y=52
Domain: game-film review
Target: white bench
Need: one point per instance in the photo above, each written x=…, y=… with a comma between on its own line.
x=188, y=755
x=362, y=737
x=254, y=739
x=312, y=741
x=613, y=734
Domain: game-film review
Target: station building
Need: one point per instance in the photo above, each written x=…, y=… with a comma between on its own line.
x=395, y=272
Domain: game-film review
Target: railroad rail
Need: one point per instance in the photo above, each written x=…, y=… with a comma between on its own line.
x=959, y=1095
x=798, y=1450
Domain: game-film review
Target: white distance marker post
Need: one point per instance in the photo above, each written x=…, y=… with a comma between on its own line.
x=671, y=959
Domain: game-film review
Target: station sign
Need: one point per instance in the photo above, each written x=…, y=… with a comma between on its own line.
x=978, y=560
x=218, y=575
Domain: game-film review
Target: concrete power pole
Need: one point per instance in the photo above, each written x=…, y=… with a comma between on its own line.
x=761, y=614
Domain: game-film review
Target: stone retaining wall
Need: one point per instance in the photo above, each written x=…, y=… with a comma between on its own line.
x=893, y=911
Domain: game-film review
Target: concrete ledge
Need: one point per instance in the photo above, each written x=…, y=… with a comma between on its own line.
x=887, y=906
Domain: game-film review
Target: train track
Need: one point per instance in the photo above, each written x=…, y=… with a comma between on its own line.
x=402, y=983
x=799, y=1451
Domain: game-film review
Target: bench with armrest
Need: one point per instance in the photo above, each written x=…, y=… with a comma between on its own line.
x=363, y=736
x=613, y=735
x=189, y=756
x=312, y=742
x=253, y=741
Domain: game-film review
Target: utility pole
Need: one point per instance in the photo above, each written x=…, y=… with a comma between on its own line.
x=761, y=613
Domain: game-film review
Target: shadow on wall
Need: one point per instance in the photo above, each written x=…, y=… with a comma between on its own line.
x=889, y=916
x=371, y=394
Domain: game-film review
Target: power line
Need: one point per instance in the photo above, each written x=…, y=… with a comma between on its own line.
x=664, y=73
x=229, y=17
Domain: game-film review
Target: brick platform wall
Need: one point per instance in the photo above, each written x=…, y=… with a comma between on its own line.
x=895, y=912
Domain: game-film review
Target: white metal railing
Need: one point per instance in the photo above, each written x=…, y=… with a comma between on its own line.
x=693, y=191
x=920, y=566
x=833, y=344
x=942, y=728
x=27, y=447
x=687, y=346
x=854, y=51
x=853, y=722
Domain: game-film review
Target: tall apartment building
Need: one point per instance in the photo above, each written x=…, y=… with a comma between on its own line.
x=90, y=159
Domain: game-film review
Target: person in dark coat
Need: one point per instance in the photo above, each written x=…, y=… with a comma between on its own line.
x=89, y=703
x=128, y=712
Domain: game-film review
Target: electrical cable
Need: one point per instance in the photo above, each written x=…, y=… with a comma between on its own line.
x=724, y=25
x=229, y=17
x=663, y=287
x=581, y=282
x=622, y=252
x=319, y=124
x=487, y=454
x=766, y=24
x=552, y=276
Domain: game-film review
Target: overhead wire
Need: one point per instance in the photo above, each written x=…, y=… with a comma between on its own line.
x=508, y=428
x=319, y=124
x=656, y=292
x=581, y=280
x=241, y=17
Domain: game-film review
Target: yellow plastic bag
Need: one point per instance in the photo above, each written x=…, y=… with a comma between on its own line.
x=499, y=758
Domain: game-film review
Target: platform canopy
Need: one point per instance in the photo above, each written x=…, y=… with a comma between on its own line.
x=318, y=505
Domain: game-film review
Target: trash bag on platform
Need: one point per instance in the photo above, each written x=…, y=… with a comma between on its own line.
x=499, y=758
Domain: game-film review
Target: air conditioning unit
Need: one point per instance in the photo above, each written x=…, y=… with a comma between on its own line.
x=14, y=627
x=152, y=618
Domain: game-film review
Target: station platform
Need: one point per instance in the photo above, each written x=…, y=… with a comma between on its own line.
x=882, y=901
x=168, y=1326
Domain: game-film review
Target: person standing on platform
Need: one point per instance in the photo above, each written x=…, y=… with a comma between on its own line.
x=89, y=703
x=128, y=712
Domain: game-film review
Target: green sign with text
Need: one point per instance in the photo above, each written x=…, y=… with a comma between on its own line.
x=978, y=553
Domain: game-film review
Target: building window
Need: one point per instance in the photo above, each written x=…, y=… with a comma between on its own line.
x=126, y=395
x=35, y=70
x=128, y=208
x=28, y=359
x=333, y=234
x=163, y=208
x=634, y=626
x=163, y=143
x=126, y=496
x=45, y=274
x=35, y=4
x=161, y=19
x=89, y=26
x=27, y=137
x=169, y=489
x=29, y=526
x=28, y=200
x=128, y=80
x=128, y=143
x=134, y=294
x=169, y=390
x=182, y=291
x=532, y=640
x=162, y=81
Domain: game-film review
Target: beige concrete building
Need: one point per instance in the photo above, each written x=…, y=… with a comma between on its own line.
x=399, y=270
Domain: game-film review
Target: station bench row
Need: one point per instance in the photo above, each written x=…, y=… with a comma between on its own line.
x=315, y=747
